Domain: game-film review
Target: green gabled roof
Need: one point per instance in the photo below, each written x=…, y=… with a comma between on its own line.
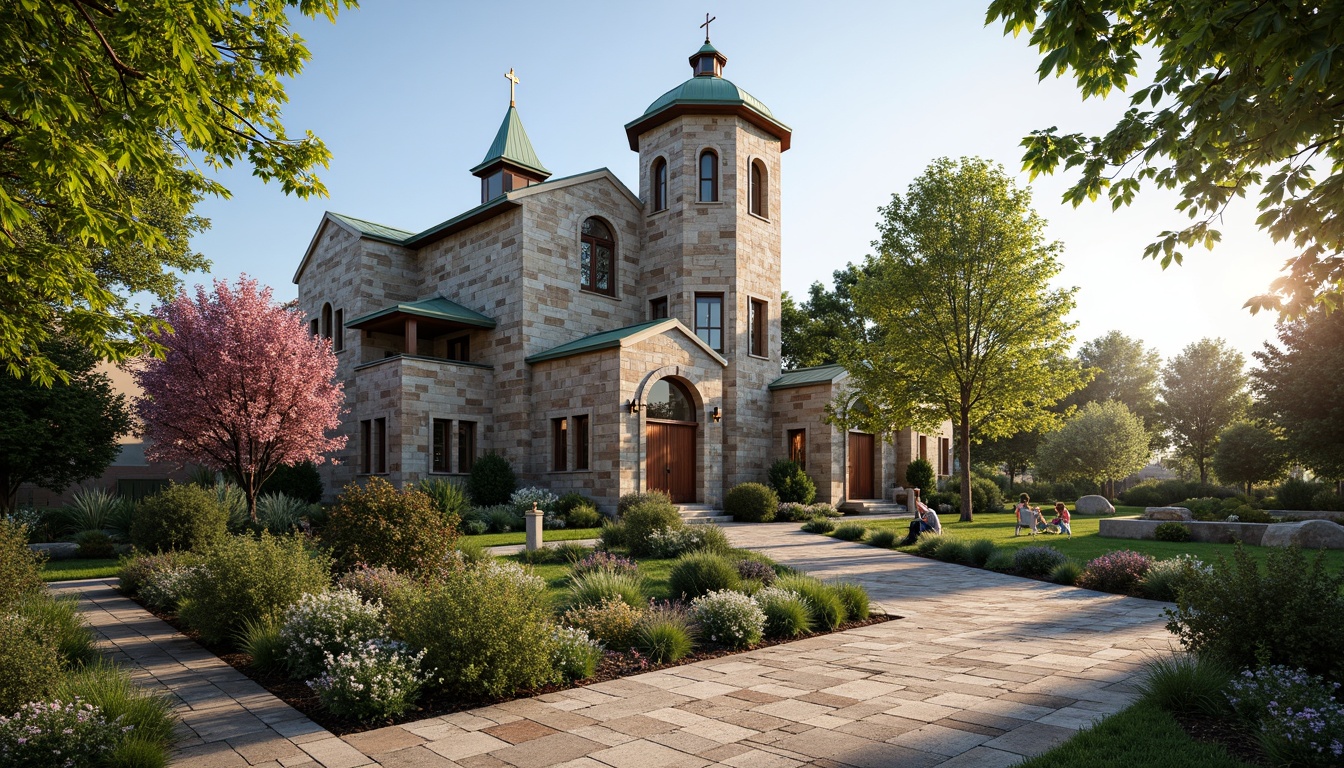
x=380, y=231
x=512, y=145
x=802, y=377
x=596, y=341
x=437, y=308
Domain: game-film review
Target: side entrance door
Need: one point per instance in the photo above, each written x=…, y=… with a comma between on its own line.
x=861, y=466
x=670, y=460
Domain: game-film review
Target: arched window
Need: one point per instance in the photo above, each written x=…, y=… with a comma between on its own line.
x=668, y=399
x=326, y=321
x=709, y=177
x=759, y=190
x=660, y=184
x=597, y=258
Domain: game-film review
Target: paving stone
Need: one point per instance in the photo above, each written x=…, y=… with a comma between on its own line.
x=519, y=731
x=384, y=740
x=1031, y=739
x=546, y=750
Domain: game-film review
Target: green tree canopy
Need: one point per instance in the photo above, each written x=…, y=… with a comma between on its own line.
x=1102, y=442
x=1249, y=453
x=1300, y=385
x=1244, y=99
x=965, y=324
x=1125, y=371
x=821, y=329
x=1014, y=453
x=104, y=109
x=1203, y=391
x=60, y=434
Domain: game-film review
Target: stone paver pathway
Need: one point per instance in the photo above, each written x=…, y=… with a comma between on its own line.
x=984, y=670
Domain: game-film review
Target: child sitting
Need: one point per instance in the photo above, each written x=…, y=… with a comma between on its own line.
x=1062, y=519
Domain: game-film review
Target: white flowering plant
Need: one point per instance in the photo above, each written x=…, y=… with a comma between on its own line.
x=325, y=625
x=522, y=499
x=165, y=589
x=729, y=618
x=574, y=653
x=376, y=678
x=58, y=734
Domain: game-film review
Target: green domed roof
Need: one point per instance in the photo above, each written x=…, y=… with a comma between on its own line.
x=708, y=90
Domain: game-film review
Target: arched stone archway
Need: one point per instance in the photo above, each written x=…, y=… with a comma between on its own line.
x=672, y=435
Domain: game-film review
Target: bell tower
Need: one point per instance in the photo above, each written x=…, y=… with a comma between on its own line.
x=709, y=159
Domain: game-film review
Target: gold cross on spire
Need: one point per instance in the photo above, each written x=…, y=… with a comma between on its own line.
x=705, y=26
x=513, y=80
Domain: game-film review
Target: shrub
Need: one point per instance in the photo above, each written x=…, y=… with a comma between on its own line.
x=756, y=570
x=605, y=561
x=786, y=613
x=1252, y=515
x=58, y=621
x=1289, y=614
x=927, y=544
x=1186, y=684
x=20, y=567
x=110, y=689
x=1326, y=500
x=179, y=517
x=449, y=498
x=583, y=516
x=751, y=503
x=1037, y=560
x=500, y=518
x=854, y=598
x=1171, y=531
x=1002, y=561
x=165, y=589
x=93, y=509
x=599, y=586
x=824, y=606
x=952, y=551
x=491, y=481
x=979, y=551
x=522, y=500
x=642, y=520
x=664, y=634
x=485, y=628
x=573, y=653
x=1297, y=494
x=260, y=639
x=851, y=532
x=299, y=481
x=326, y=624
x=94, y=545
x=882, y=537
x=791, y=483
x=39, y=734
x=700, y=573
x=919, y=474
x=1165, y=578
x=475, y=528
x=570, y=501
x=30, y=663
x=792, y=512
x=372, y=583
x=1118, y=572
x=374, y=679
x=243, y=578
x=1066, y=573
x=819, y=525
x=611, y=622
x=631, y=500
x=378, y=525
x=729, y=618
x=985, y=494
x=1299, y=720
x=281, y=514
x=674, y=542
x=612, y=535
x=133, y=572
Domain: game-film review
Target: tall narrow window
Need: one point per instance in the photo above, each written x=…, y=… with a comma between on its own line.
x=366, y=446
x=559, y=445
x=466, y=446
x=709, y=319
x=458, y=349
x=943, y=450
x=338, y=332
x=441, y=429
x=581, y=445
x=326, y=321
x=709, y=177
x=659, y=179
x=758, y=189
x=923, y=447
x=658, y=308
x=798, y=447
x=597, y=258
x=312, y=327
x=757, y=319
x=380, y=446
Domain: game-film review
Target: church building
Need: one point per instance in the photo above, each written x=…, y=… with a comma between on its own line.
x=602, y=339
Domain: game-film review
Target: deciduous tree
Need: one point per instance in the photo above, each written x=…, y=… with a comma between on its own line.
x=1126, y=371
x=1250, y=453
x=60, y=434
x=1014, y=453
x=1203, y=391
x=966, y=325
x=106, y=107
x=243, y=387
x=818, y=331
x=1300, y=385
x=1245, y=98
x=1103, y=442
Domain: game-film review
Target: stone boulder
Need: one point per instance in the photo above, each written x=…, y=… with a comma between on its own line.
x=1308, y=535
x=1177, y=514
x=59, y=550
x=1093, y=505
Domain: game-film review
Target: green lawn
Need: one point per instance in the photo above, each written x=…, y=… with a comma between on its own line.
x=64, y=570
x=1085, y=543
x=520, y=537
x=1143, y=736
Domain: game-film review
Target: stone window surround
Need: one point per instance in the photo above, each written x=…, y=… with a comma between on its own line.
x=573, y=439
x=757, y=297
x=453, y=456
x=616, y=255
x=718, y=176
x=653, y=181
x=765, y=180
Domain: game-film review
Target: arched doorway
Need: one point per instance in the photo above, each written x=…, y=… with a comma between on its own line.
x=671, y=426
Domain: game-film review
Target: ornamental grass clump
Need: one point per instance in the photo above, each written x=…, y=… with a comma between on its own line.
x=1002, y=561
x=854, y=598
x=1118, y=572
x=260, y=639
x=928, y=543
x=1165, y=578
x=374, y=679
x=786, y=613
x=979, y=551
x=605, y=561
x=326, y=624
x=819, y=525
x=611, y=622
x=1038, y=560
x=700, y=573
x=59, y=734
x=597, y=587
x=756, y=570
x=884, y=538
x=1297, y=716
x=1186, y=684
x=850, y=532
x=1066, y=573
x=110, y=689
x=574, y=654
x=665, y=633
x=730, y=619
x=57, y=620
x=952, y=551
x=824, y=606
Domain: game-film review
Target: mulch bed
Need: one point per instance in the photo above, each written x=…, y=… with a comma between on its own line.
x=1239, y=742
x=433, y=704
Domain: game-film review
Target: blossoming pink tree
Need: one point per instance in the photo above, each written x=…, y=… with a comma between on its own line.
x=243, y=387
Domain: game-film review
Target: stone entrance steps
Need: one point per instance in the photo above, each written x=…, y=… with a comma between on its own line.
x=702, y=513
x=872, y=507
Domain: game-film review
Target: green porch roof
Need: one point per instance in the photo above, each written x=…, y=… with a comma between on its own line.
x=511, y=145
x=437, y=308
x=595, y=342
x=372, y=229
x=802, y=377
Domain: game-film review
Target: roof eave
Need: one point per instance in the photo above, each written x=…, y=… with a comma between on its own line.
x=675, y=109
x=509, y=163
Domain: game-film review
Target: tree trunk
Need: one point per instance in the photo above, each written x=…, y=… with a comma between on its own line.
x=1203, y=473
x=964, y=433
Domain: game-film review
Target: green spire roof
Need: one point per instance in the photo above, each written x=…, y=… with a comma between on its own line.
x=512, y=146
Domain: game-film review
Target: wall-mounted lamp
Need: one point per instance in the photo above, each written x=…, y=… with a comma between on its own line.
x=634, y=406
x=715, y=415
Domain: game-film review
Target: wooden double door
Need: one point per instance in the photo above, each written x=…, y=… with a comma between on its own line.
x=670, y=459
x=862, y=455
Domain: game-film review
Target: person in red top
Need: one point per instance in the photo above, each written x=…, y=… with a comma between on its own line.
x=1062, y=518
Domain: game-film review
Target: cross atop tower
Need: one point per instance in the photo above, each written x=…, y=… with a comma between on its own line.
x=705, y=26
x=513, y=81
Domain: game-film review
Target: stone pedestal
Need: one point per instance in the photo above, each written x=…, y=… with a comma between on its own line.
x=533, y=517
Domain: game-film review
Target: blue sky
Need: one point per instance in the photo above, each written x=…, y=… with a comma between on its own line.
x=408, y=94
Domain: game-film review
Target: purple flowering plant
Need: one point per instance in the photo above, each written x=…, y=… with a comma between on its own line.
x=606, y=561
x=1119, y=572
x=1297, y=715
x=57, y=734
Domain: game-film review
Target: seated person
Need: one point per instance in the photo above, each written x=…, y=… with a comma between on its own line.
x=925, y=520
x=1028, y=517
x=1062, y=518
